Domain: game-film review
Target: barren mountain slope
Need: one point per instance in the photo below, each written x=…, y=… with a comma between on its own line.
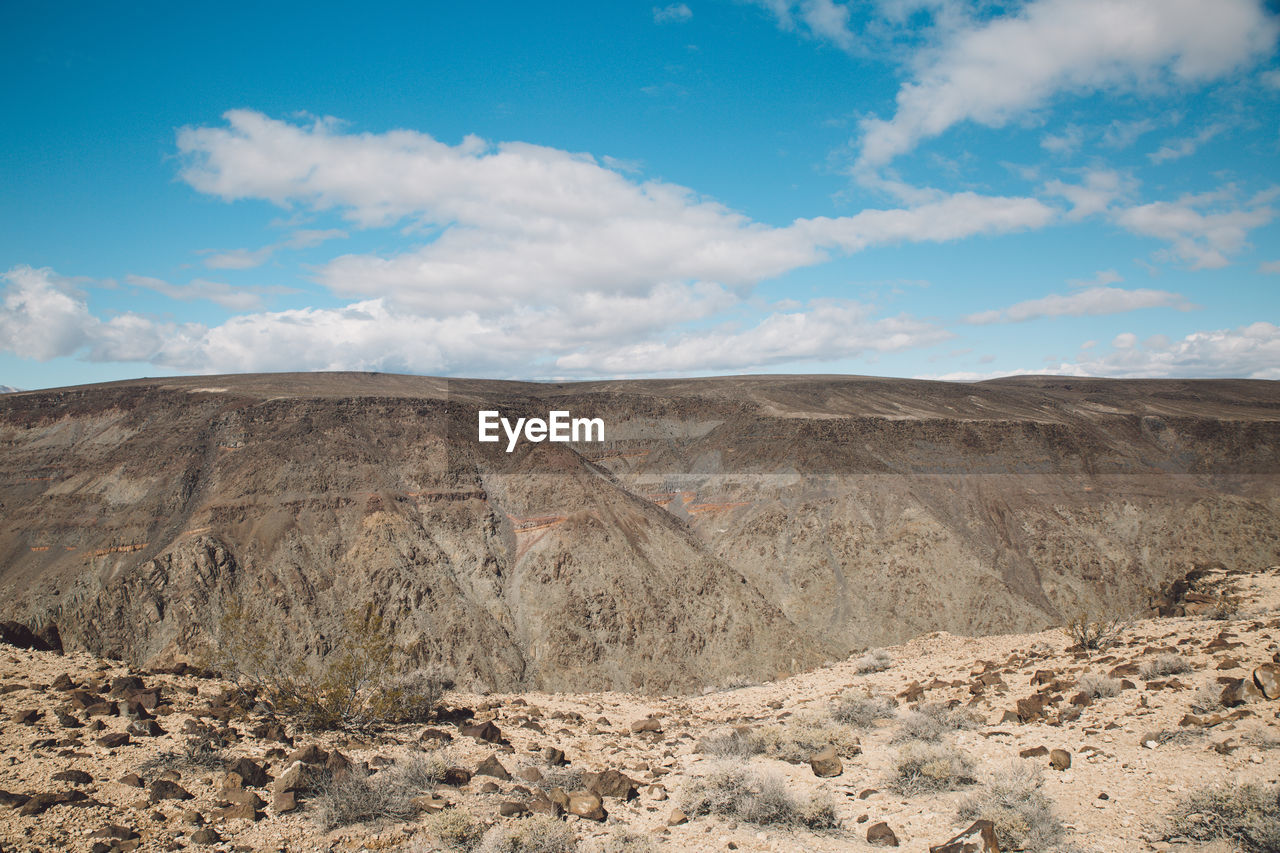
x=728, y=527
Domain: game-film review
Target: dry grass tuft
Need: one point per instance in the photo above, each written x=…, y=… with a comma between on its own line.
x=924, y=767
x=739, y=792
x=1012, y=798
x=1246, y=815
x=861, y=711
x=801, y=736
x=876, y=660
x=1164, y=665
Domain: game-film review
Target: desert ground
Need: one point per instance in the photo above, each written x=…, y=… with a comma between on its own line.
x=99, y=756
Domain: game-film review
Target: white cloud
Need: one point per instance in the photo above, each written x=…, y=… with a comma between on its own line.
x=1099, y=189
x=519, y=224
x=1186, y=146
x=1121, y=134
x=824, y=20
x=828, y=330
x=992, y=72
x=43, y=316
x=1249, y=352
x=1065, y=143
x=1201, y=238
x=1091, y=301
x=239, y=259
x=235, y=298
x=1269, y=267
x=674, y=14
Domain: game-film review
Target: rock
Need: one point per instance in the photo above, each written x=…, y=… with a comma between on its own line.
x=145, y=728
x=205, y=835
x=67, y=720
x=487, y=732
x=123, y=685
x=912, y=693
x=163, y=789
x=546, y=807
x=529, y=773
x=337, y=763
x=238, y=811
x=114, y=740
x=677, y=818
x=1060, y=759
x=648, y=724
x=880, y=835
x=250, y=772
x=513, y=808
x=587, y=805
x=1034, y=752
x=978, y=838
x=283, y=802
x=298, y=776
x=63, y=683
x=1240, y=691
x=133, y=780
x=825, y=763
x=26, y=717
x=430, y=803
x=20, y=636
x=491, y=766
x=456, y=777
x=554, y=757
x=1031, y=708
x=612, y=783
x=38, y=804
x=75, y=777
x=1267, y=680
x=489, y=788
x=309, y=754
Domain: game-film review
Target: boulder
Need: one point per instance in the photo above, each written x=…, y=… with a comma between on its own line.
x=880, y=835
x=1060, y=759
x=612, y=783
x=486, y=731
x=250, y=772
x=648, y=724
x=491, y=766
x=587, y=805
x=163, y=789
x=826, y=763
x=1267, y=679
x=1240, y=691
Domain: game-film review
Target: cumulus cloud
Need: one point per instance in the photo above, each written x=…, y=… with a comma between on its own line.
x=1202, y=230
x=1091, y=301
x=1097, y=190
x=1248, y=352
x=1185, y=147
x=515, y=224
x=240, y=259
x=992, y=72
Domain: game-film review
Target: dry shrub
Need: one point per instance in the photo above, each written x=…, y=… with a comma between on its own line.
x=1246, y=815
x=1093, y=633
x=876, y=660
x=1164, y=665
x=362, y=683
x=357, y=796
x=454, y=829
x=196, y=754
x=931, y=721
x=539, y=834
x=739, y=792
x=924, y=767
x=1207, y=698
x=801, y=736
x=622, y=840
x=1098, y=686
x=735, y=743
x=1012, y=798
x=861, y=711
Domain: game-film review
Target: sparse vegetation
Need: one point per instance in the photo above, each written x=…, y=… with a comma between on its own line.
x=455, y=829
x=862, y=710
x=876, y=660
x=1098, y=686
x=565, y=778
x=1093, y=633
x=735, y=743
x=745, y=794
x=801, y=736
x=1012, y=798
x=1207, y=698
x=621, y=840
x=1246, y=815
x=931, y=721
x=362, y=683
x=535, y=835
x=1164, y=665
x=924, y=767
x=357, y=796
x=196, y=753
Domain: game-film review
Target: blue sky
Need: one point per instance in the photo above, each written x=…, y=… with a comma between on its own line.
x=926, y=188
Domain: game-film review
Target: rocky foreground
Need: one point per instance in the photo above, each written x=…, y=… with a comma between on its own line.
x=907, y=746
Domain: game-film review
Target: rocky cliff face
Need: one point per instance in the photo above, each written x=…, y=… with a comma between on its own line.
x=726, y=528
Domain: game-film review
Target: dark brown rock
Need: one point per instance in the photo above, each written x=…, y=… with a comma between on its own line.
x=163, y=789
x=1060, y=759
x=880, y=835
x=978, y=838
x=491, y=766
x=487, y=732
x=826, y=763
x=587, y=805
x=250, y=772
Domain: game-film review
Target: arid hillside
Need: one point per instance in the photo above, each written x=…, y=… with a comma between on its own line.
x=727, y=528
